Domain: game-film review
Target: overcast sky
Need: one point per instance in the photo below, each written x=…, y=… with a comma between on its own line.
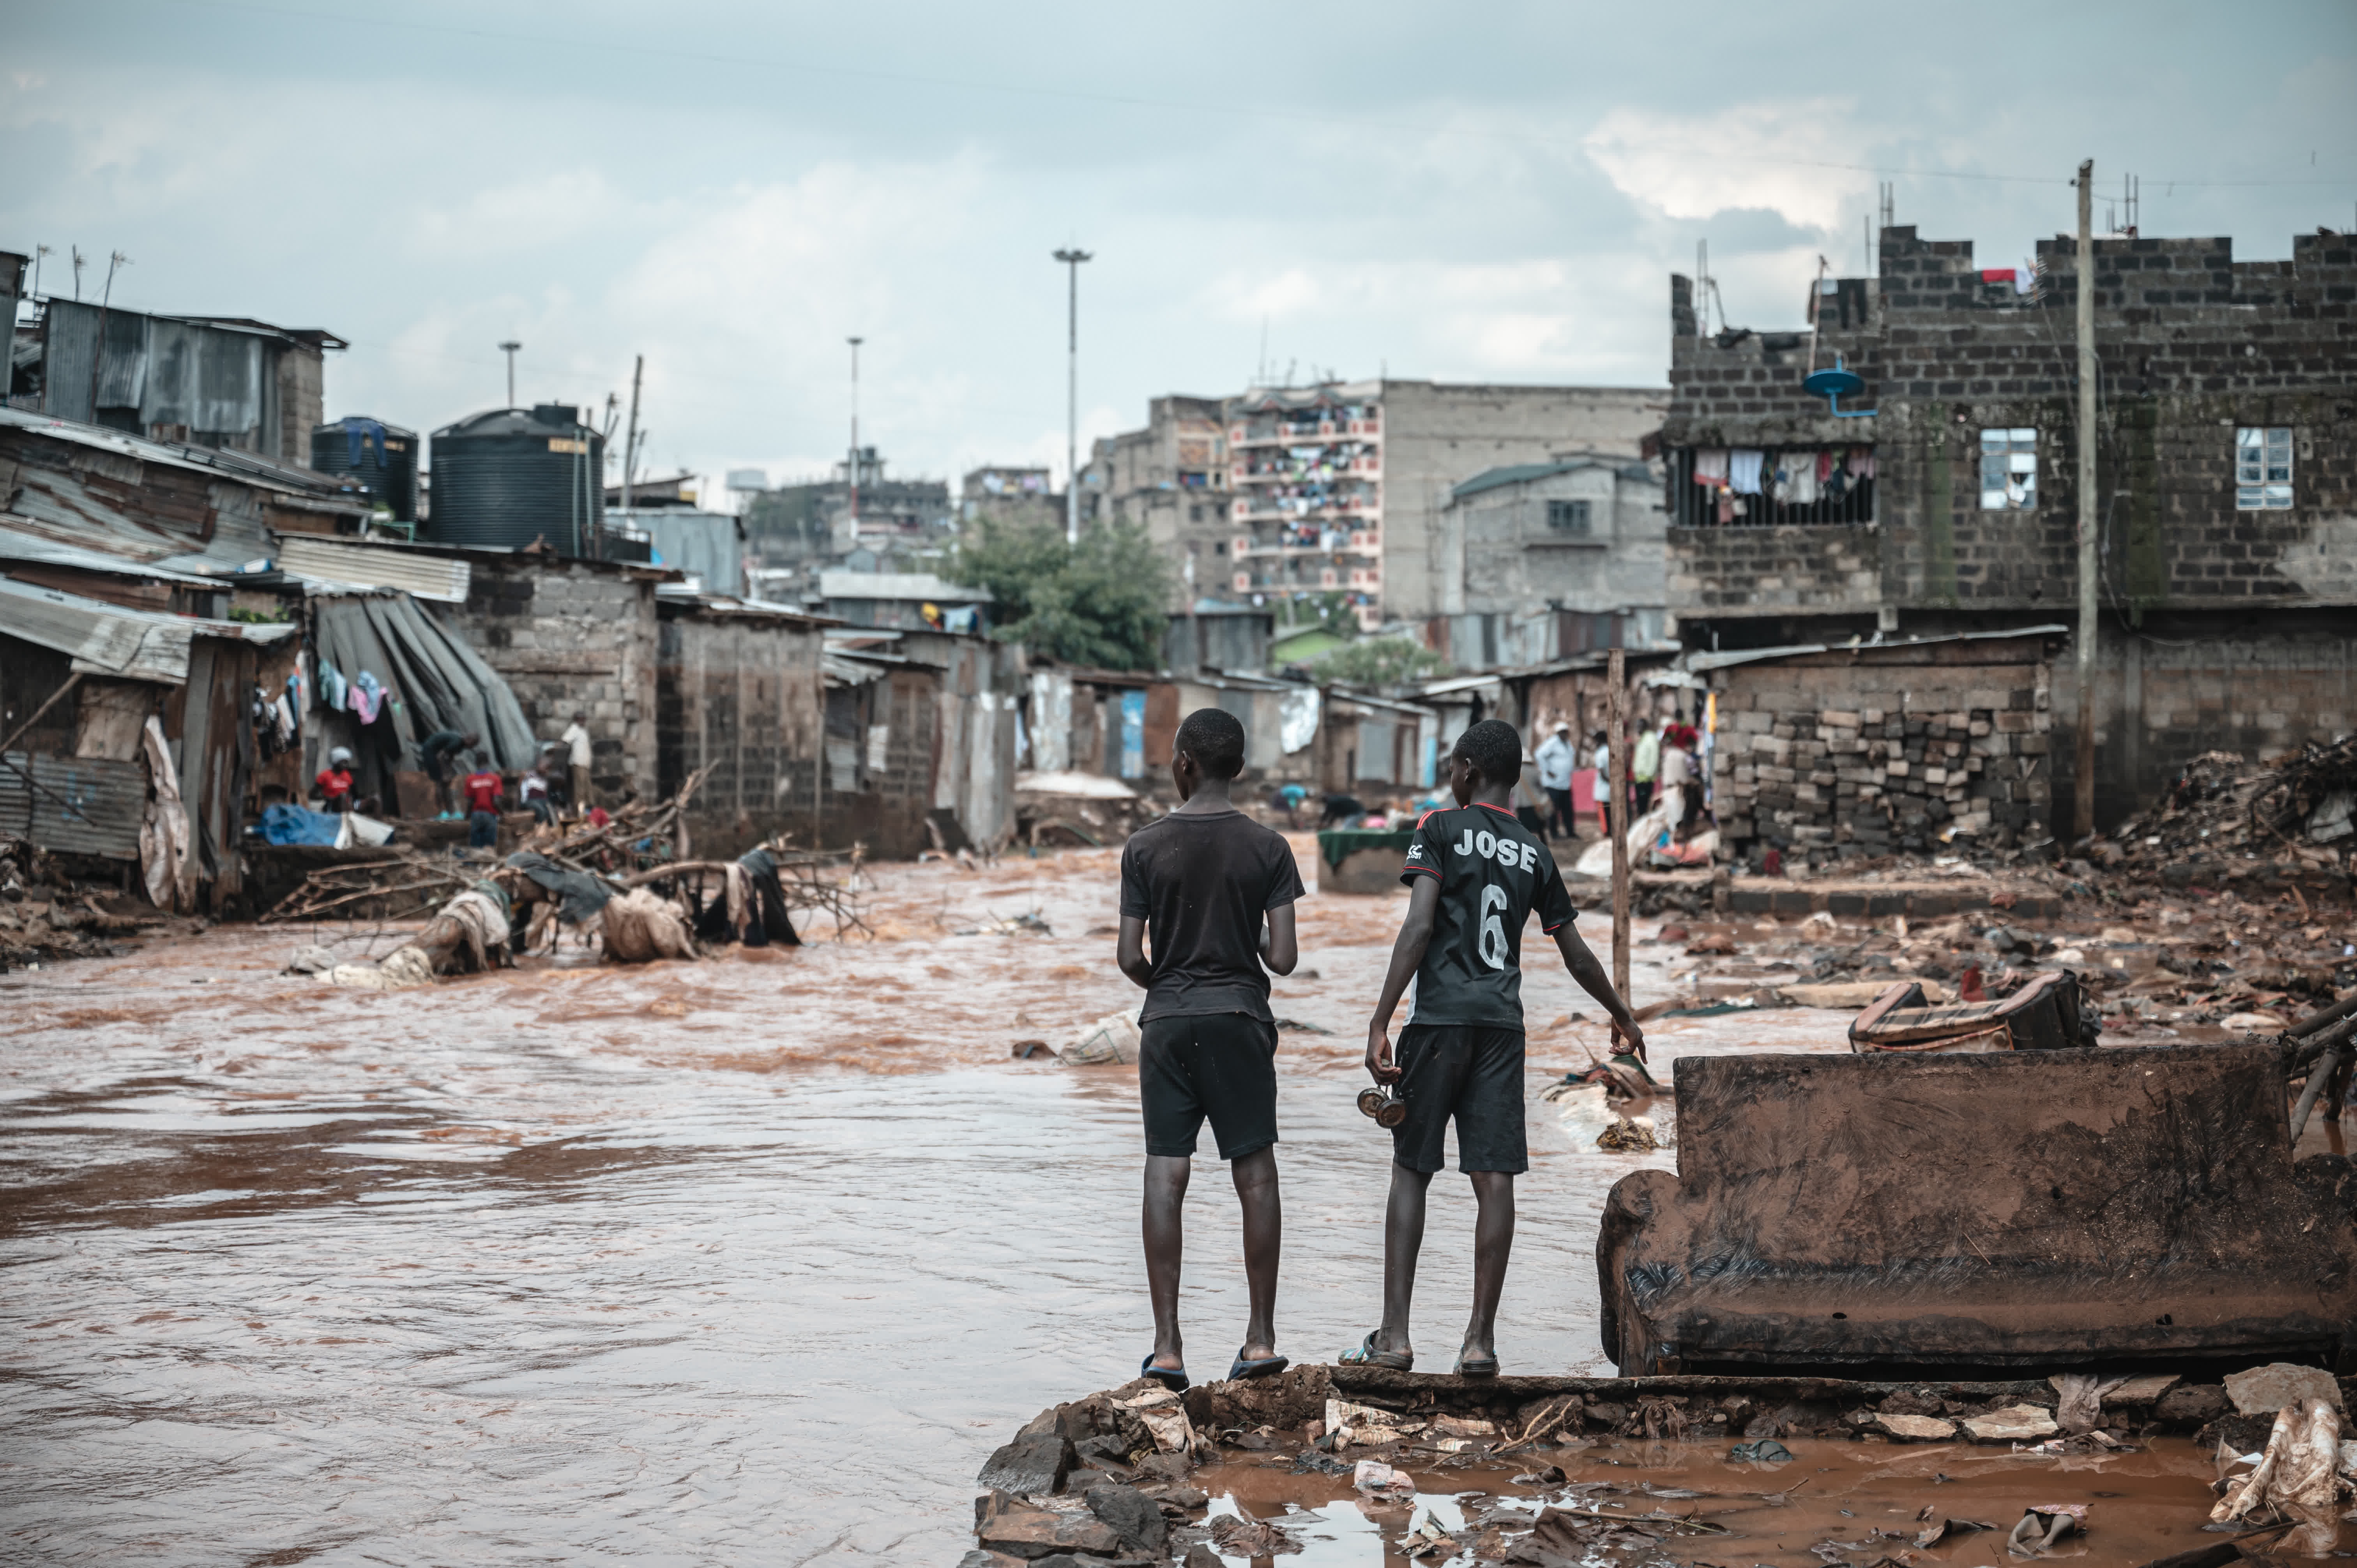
x=1460, y=192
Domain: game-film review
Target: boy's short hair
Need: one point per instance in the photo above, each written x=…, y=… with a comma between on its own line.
x=1215, y=737
x=1495, y=750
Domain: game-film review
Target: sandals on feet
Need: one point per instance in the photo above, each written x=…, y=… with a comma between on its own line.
x=1171, y=1378
x=1476, y=1366
x=1267, y=1366
x=1364, y=1354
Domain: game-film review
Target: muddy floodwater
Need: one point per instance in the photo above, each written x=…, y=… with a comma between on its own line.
x=750, y=1260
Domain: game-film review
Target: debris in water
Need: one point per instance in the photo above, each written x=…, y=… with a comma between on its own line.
x=1377, y=1479
x=1767, y=1451
x=1238, y=1537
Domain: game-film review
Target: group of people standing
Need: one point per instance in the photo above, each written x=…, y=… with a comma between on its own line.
x=1206, y=916
x=462, y=770
x=1661, y=762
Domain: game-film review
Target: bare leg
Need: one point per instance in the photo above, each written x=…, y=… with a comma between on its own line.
x=1493, y=1242
x=1402, y=1240
x=1166, y=1244
x=1255, y=1178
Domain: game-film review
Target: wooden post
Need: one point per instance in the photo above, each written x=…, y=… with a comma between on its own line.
x=1616, y=735
x=2083, y=817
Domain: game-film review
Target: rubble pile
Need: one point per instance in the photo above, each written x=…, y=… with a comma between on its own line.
x=45, y=917
x=1128, y=1475
x=2219, y=811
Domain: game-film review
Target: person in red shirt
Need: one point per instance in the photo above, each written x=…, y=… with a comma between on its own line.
x=335, y=781
x=483, y=789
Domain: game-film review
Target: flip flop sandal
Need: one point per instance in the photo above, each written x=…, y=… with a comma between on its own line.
x=1364, y=1354
x=1171, y=1378
x=1268, y=1367
x=1478, y=1367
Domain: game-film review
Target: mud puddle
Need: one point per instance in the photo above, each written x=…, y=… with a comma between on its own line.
x=1833, y=1502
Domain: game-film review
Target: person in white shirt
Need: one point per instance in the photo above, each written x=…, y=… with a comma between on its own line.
x=1602, y=790
x=1557, y=759
x=577, y=740
x=1677, y=778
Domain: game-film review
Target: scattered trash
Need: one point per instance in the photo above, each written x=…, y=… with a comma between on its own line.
x=2042, y=1525
x=2297, y=1474
x=1377, y=1479
x=1940, y=1530
x=1430, y=1539
x=1024, y=1050
x=1766, y=1451
x=1630, y=1135
x=1114, y=1037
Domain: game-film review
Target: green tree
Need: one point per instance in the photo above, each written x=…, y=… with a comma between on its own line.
x=1381, y=661
x=1100, y=602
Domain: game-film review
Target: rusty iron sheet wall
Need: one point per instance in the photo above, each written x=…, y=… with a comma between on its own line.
x=83, y=805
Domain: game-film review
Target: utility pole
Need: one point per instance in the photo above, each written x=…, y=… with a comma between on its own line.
x=79, y=261
x=631, y=441
x=508, y=348
x=2084, y=817
x=1616, y=735
x=854, y=470
x=1072, y=258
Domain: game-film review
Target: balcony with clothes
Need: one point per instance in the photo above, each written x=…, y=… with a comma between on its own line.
x=1291, y=538
x=1308, y=463
x=1751, y=487
x=1308, y=500
x=1270, y=418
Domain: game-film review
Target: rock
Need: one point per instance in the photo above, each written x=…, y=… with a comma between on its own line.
x=1202, y=1556
x=2195, y=1403
x=2264, y=1390
x=2014, y=1424
x=978, y=1558
x=2135, y=1393
x=1035, y=1463
x=1006, y=1523
x=1133, y=1516
x=1914, y=1428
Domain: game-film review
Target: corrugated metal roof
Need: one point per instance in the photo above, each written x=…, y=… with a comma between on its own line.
x=897, y=586
x=1702, y=661
x=108, y=639
x=707, y=545
x=445, y=579
x=840, y=669
x=17, y=545
x=253, y=468
x=77, y=805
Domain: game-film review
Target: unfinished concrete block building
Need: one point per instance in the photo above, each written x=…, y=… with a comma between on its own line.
x=1939, y=499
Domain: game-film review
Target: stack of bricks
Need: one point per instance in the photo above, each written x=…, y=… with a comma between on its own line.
x=1886, y=775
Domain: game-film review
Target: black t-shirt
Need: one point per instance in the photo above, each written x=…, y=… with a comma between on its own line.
x=1201, y=883
x=1494, y=873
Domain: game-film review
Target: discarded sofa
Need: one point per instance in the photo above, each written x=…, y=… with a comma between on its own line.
x=2012, y=1208
x=2049, y=1011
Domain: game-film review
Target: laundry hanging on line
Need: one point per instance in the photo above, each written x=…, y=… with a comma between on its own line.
x=1743, y=464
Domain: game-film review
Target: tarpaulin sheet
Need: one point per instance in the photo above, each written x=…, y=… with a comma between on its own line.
x=1336, y=844
x=442, y=682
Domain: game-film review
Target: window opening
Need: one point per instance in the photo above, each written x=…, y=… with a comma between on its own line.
x=1567, y=516
x=2263, y=469
x=1760, y=487
x=2009, y=470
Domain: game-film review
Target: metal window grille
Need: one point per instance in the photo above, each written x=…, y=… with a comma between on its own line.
x=1845, y=495
x=2263, y=469
x=1567, y=516
x=2009, y=470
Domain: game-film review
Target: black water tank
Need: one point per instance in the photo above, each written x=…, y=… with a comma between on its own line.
x=508, y=477
x=383, y=458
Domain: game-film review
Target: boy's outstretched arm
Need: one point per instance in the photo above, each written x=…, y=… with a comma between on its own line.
x=1280, y=949
x=1407, y=957
x=1581, y=960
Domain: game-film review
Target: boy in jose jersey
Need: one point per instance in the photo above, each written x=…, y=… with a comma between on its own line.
x=1215, y=891
x=1476, y=874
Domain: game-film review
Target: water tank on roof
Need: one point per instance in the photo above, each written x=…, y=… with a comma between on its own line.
x=512, y=476
x=383, y=458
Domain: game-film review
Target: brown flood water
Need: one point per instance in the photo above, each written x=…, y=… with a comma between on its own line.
x=751, y=1260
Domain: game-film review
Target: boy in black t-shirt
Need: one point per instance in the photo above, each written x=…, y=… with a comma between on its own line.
x=1202, y=882
x=1476, y=874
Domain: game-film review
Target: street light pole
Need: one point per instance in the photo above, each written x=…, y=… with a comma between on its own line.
x=1072, y=259
x=508, y=348
x=854, y=470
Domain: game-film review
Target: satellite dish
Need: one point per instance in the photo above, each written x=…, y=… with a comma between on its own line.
x=1834, y=385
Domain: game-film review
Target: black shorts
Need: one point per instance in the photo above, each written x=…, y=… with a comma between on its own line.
x=1220, y=1065
x=1471, y=1071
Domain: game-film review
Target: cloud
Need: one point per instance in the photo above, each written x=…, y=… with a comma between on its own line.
x=1777, y=156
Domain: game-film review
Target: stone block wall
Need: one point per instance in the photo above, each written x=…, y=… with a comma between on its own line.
x=1885, y=749
x=569, y=636
x=1830, y=568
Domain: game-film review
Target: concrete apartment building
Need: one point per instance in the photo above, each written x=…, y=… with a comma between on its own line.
x=1542, y=560
x=880, y=524
x=1342, y=486
x=2226, y=456
x=1172, y=478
